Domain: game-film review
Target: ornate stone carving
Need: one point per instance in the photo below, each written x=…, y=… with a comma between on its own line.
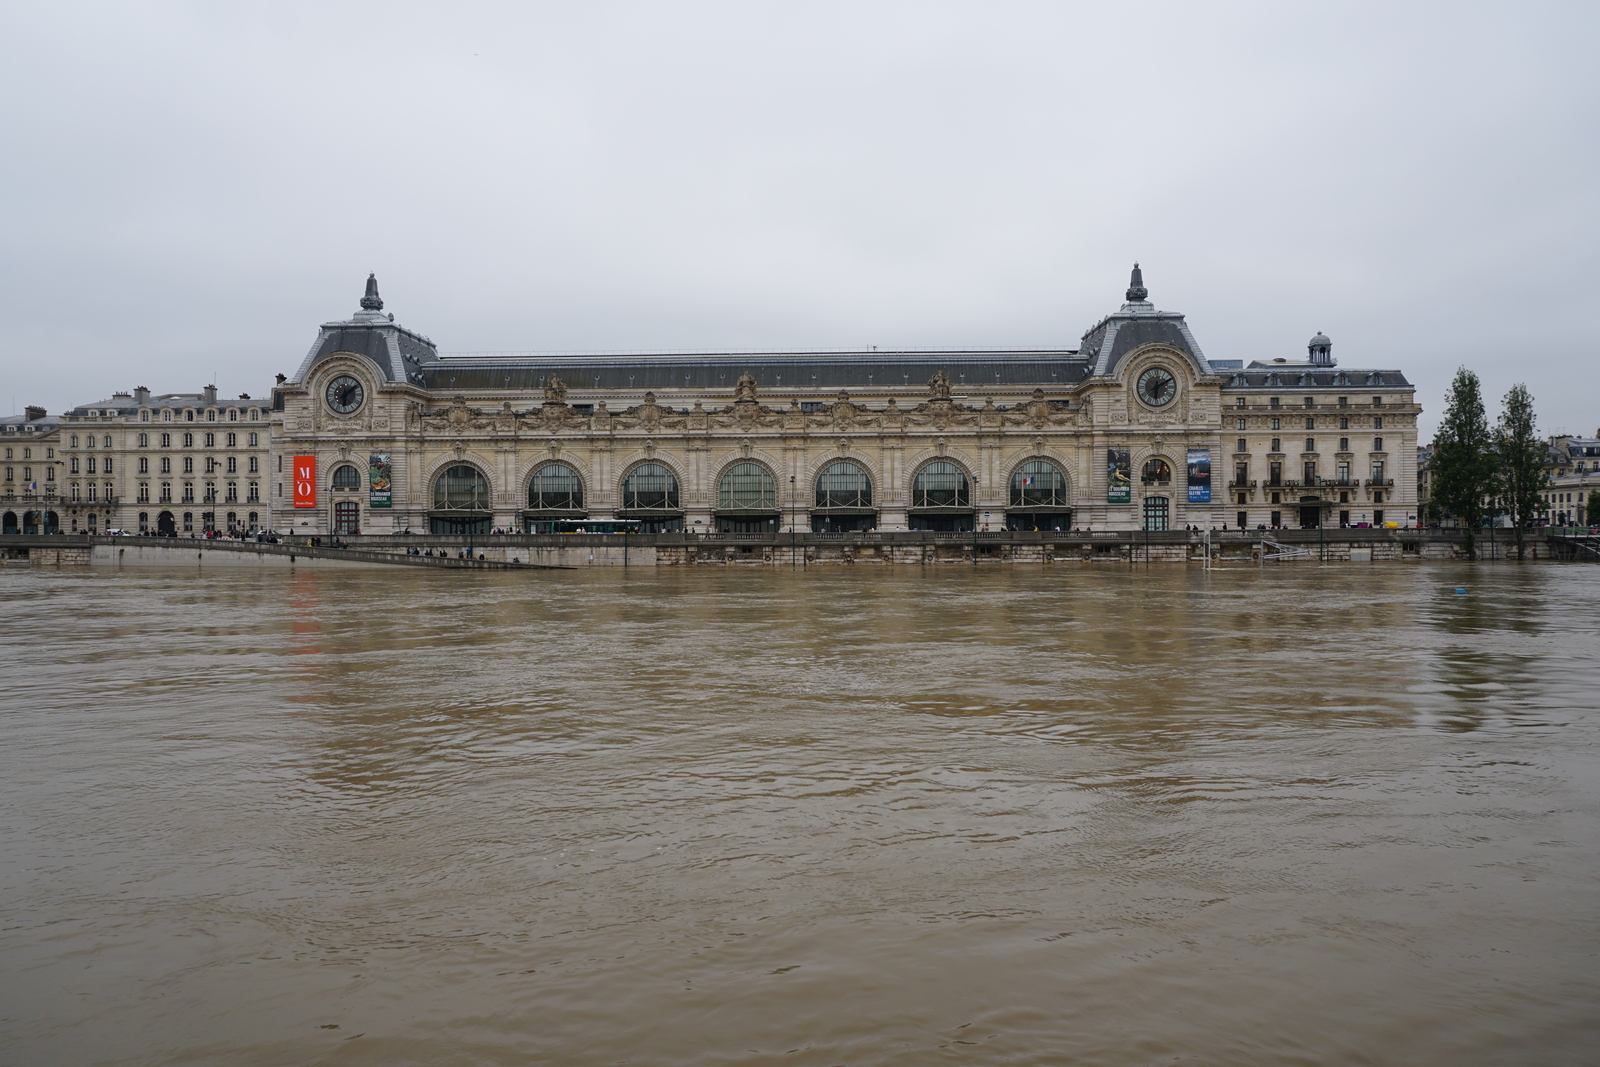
x=939, y=385
x=555, y=390
x=745, y=388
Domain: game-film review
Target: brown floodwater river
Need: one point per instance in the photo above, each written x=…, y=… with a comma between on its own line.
x=866, y=816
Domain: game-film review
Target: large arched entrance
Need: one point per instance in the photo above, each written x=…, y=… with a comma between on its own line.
x=941, y=498
x=1038, y=497
x=747, y=500
x=844, y=499
x=166, y=525
x=9, y=523
x=555, y=492
x=650, y=494
x=461, y=502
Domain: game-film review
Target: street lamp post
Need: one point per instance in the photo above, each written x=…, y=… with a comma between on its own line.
x=974, y=520
x=791, y=522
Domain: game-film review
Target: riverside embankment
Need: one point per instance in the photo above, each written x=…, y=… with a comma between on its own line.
x=907, y=548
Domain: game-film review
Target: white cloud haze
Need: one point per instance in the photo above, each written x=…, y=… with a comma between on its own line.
x=189, y=189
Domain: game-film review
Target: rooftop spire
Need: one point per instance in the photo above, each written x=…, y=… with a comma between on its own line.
x=1137, y=293
x=372, y=301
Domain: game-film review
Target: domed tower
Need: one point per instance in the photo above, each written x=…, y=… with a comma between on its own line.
x=1321, y=350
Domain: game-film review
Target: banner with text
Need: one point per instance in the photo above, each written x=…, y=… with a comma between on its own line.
x=1199, y=475
x=380, y=493
x=305, y=481
x=1119, y=476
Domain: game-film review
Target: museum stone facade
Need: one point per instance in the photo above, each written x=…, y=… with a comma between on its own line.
x=1135, y=428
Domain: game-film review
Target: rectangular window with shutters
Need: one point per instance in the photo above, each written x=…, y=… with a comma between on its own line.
x=1243, y=446
x=1377, y=444
x=1311, y=423
x=1275, y=444
x=1311, y=444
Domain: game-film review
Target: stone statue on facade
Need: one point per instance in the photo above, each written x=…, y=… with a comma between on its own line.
x=745, y=388
x=940, y=385
x=555, y=390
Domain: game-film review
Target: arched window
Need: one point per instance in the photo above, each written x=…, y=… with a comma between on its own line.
x=649, y=485
x=1156, y=472
x=747, y=485
x=1038, y=483
x=461, y=488
x=555, y=487
x=941, y=484
x=346, y=477
x=844, y=485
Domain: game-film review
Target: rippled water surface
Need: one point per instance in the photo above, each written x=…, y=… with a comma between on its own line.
x=861, y=816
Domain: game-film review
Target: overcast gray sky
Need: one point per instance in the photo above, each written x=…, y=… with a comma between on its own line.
x=190, y=189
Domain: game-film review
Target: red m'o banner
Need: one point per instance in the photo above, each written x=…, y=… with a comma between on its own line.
x=305, y=481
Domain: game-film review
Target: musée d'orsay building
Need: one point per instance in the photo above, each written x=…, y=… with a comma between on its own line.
x=1134, y=428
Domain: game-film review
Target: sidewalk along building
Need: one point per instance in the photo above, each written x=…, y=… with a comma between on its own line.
x=1136, y=427
x=30, y=501
x=169, y=463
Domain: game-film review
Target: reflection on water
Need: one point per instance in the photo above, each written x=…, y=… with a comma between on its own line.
x=1329, y=815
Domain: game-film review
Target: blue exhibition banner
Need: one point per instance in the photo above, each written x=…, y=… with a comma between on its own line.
x=1199, y=475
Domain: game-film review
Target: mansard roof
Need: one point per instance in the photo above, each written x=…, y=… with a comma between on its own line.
x=1301, y=374
x=1135, y=324
x=397, y=352
x=772, y=370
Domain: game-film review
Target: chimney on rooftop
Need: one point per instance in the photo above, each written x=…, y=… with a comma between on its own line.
x=141, y=395
x=30, y=412
x=211, y=394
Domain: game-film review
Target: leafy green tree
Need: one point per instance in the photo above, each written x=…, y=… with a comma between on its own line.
x=1522, y=476
x=1464, y=460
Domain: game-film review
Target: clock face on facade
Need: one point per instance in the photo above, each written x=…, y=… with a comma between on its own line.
x=1157, y=387
x=345, y=394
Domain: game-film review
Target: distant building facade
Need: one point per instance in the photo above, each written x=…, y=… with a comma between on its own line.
x=29, y=494
x=1574, y=469
x=168, y=463
x=1135, y=428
